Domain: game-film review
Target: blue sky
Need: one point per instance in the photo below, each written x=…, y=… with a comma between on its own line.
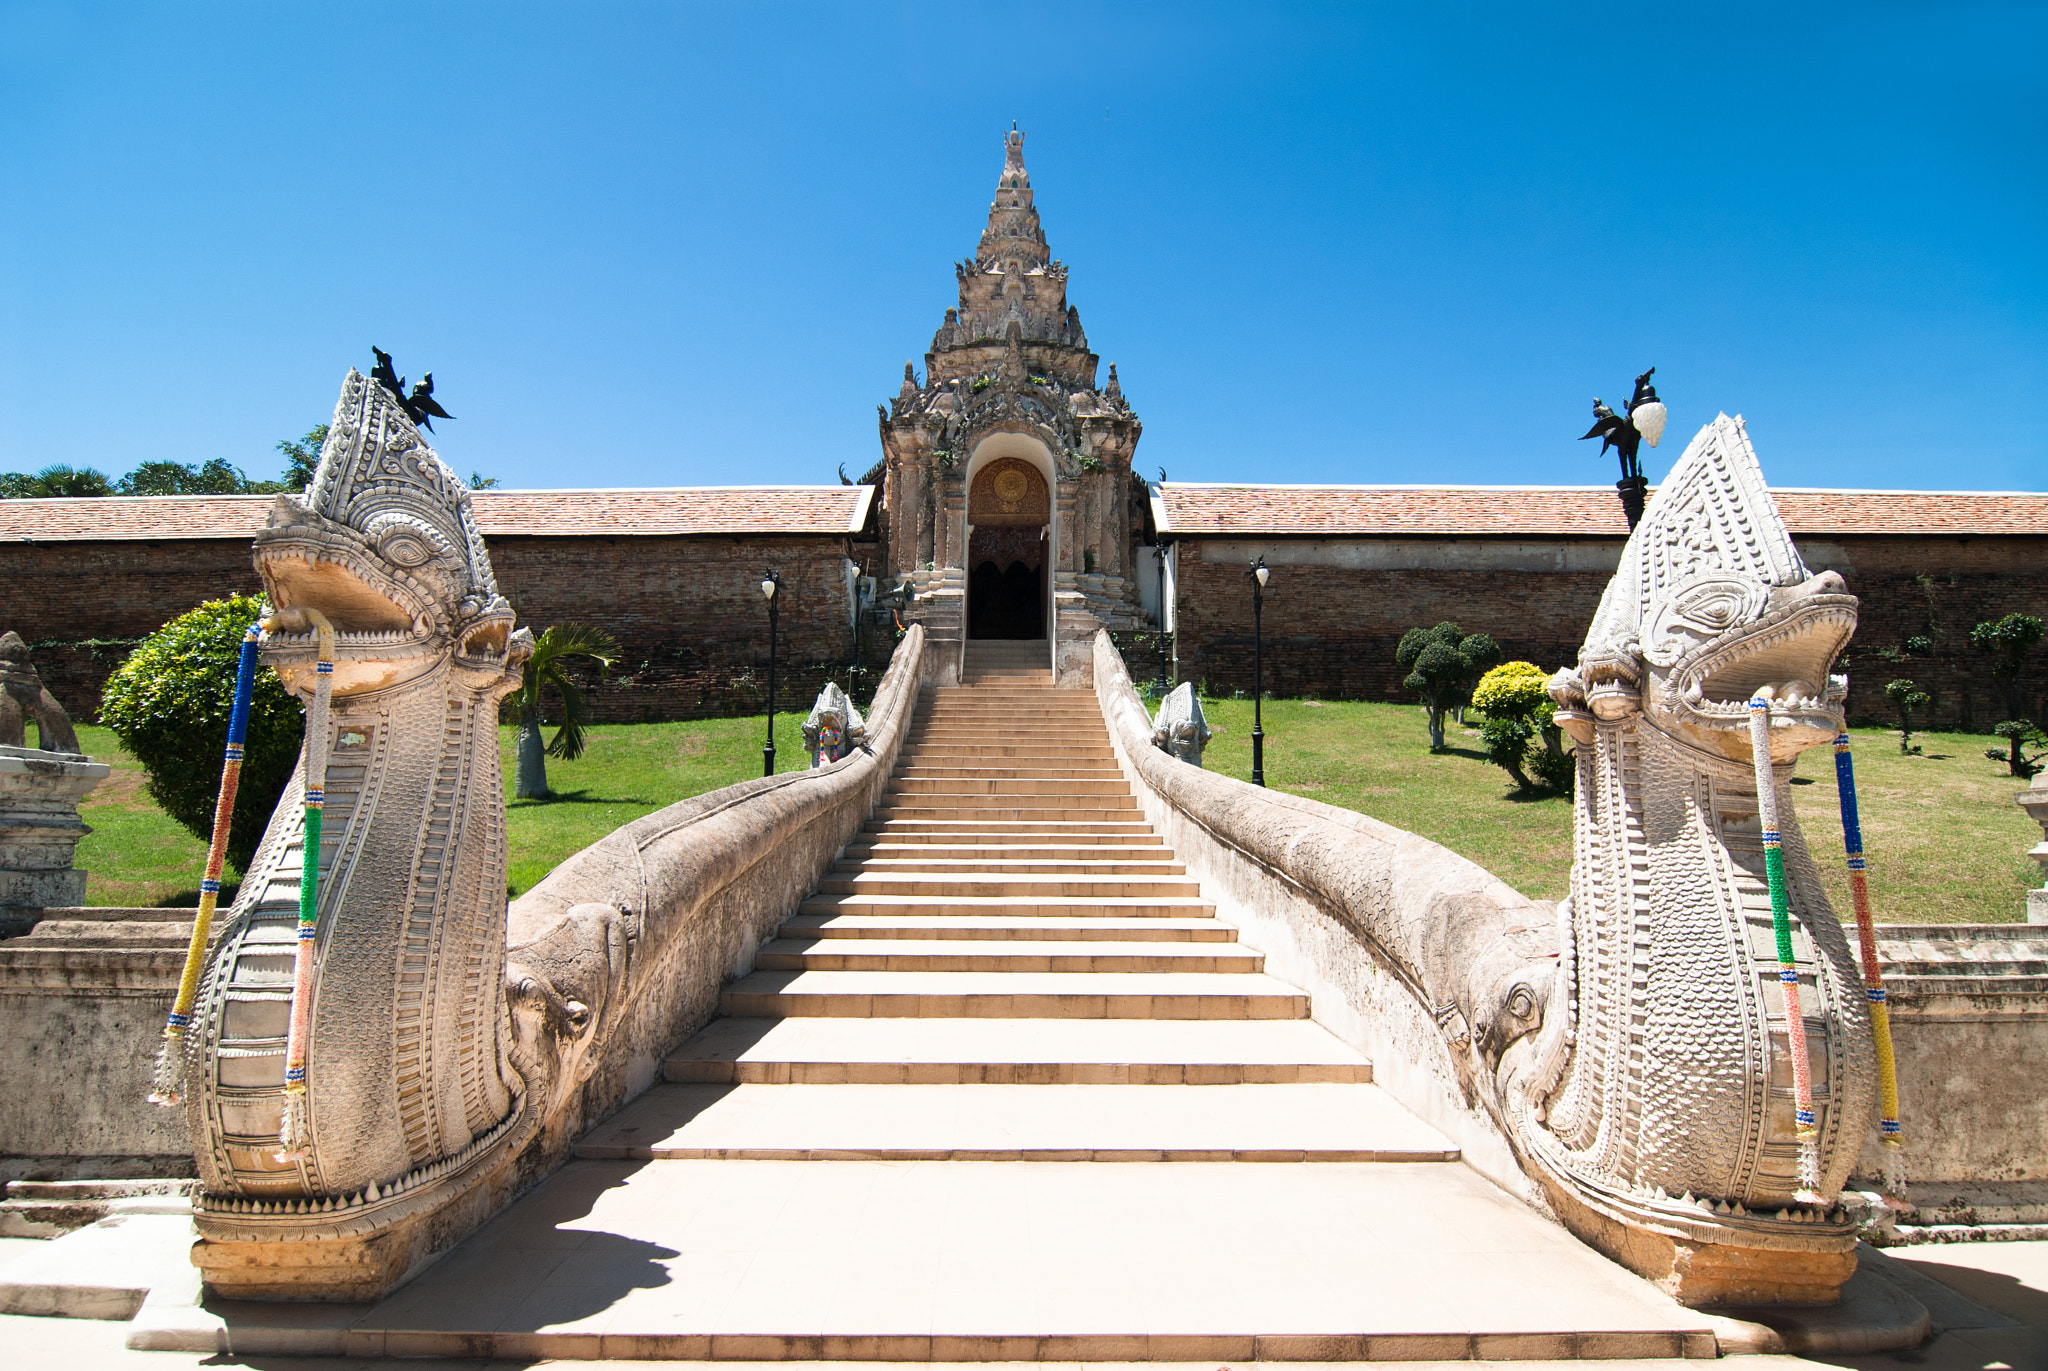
x=645, y=244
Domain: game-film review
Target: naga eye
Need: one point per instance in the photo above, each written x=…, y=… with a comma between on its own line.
x=1697, y=611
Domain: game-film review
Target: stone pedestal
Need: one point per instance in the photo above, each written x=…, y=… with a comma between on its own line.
x=40, y=828
x=2034, y=799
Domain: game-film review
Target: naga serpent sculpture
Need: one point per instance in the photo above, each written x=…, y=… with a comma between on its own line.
x=1656, y=1105
x=411, y=1087
x=454, y=1047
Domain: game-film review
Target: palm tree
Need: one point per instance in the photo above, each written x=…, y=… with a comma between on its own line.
x=545, y=668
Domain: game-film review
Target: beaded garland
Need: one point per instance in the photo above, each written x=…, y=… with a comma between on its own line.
x=167, y=1081
x=1806, y=1126
x=294, y=1134
x=1889, y=1133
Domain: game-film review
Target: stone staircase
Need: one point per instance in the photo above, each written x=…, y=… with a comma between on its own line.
x=891, y=1145
x=1009, y=919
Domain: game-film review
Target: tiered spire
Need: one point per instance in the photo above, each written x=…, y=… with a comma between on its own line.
x=1013, y=238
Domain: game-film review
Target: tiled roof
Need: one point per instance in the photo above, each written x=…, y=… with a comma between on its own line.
x=1582, y=511
x=501, y=513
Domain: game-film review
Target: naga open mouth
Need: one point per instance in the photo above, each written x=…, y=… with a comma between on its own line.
x=394, y=609
x=1782, y=655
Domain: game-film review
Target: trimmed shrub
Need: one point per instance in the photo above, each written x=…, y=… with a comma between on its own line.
x=169, y=705
x=1515, y=697
x=1442, y=663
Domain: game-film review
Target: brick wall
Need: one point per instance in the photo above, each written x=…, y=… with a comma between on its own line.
x=1331, y=631
x=688, y=612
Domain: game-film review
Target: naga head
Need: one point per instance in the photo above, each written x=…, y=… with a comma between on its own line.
x=1711, y=608
x=385, y=545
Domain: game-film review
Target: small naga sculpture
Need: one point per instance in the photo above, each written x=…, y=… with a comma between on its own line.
x=23, y=696
x=1656, y=1103
x=834, y=727
x=411, y=1092
x=1179, y=729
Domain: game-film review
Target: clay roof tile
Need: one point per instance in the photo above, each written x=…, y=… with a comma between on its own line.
x=1564, y=511
x=501, y=513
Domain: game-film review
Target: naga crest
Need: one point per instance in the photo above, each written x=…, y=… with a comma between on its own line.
x=1657, y=1102
x=411, y=1086
x=834, y=726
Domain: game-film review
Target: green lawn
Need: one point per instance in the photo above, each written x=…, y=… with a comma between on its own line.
x=628, y=770
x=138, y=856
x=1946, y=842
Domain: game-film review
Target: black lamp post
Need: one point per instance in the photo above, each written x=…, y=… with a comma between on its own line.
x=770, y=584
x=1623, y=433
x=1163, y=548
x=1259, y=575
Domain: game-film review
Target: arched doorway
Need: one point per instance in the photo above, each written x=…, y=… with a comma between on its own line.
x=1009, y=509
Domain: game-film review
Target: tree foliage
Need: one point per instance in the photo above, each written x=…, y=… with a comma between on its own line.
x=1515, y=697
x=547, y=669
x=216, y=476
x=169, y=705
x=1442, y=663
x=2019, y=734
x=301, y=457
x=53, y=482
x=1905, y=697
x=2010, y=639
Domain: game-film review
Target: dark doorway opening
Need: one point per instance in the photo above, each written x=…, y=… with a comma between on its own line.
x=1005, y=602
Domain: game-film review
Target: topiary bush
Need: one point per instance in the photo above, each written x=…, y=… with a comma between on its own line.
x=1442, y=663
x=169, y=705
x=1515, y=697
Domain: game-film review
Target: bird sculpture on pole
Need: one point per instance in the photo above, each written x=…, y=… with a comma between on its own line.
x=1625, y=433
x=420, y=406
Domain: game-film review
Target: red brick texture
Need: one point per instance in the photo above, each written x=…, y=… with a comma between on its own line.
x=688, y=611
x=1331, y=632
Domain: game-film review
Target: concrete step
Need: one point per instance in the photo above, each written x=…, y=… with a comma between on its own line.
x=1219, y=1263
x=49, y=1209
x=1000, y=807
x=1011, y=995
x=1148, y=1052
x=1003, y=906
x=102, y=1271
x=1132, y=832
x=1001, y=769
x=1038, y=716
x=1079, y=1123
x=939, y=866
x=868, y=847
x=1081, y=753
x=998, y=784
x=1023, y=885
x=1028, y=929
x=786, y=953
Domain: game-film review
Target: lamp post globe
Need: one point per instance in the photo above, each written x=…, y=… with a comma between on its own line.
x=1259, y=578
x=1625, y=433
x=1163, y=548
x=770, y=584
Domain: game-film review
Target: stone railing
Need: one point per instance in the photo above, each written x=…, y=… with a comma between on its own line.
x=618, y=954
x=613, y=959
x=1399, y=941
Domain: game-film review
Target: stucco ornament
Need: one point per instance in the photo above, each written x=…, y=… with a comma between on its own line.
x=412, y=1091
x=834, y=727
x=1656, y=1101
x=1179, y=729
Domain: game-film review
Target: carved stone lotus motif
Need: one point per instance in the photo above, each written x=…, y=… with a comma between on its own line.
x=1657, y=1103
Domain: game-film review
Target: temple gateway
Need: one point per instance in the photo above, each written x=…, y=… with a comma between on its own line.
x=1008, y=500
